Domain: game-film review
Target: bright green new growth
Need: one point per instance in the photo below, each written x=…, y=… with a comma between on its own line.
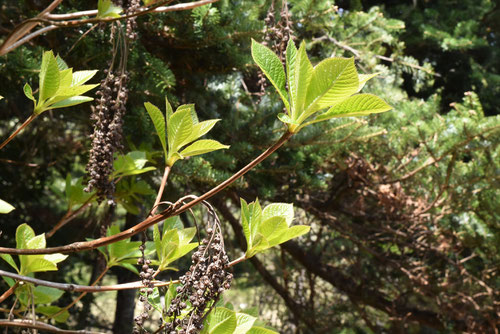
x=223, y=320
x=173, y=243
x=182, y=128
x=59, y=86
x=267, y=228
x=330, y=84
x=5, y=207
x=106, y=8
x=26, y=239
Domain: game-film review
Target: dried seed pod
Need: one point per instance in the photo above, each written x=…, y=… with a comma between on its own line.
x=203, y=284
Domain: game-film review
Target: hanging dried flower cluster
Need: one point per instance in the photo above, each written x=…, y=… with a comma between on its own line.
x=147, y=280
x=109, y=111
x=202, y=286
x=107, y=136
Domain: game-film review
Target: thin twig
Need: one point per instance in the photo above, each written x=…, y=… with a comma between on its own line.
x=24, y=28
x=173, y=210
x=82, y=288
x=24, y=323
x=21, y=31
x=15, y=133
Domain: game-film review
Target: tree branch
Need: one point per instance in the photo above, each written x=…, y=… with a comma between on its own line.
x=173, y=210
x=82, y=288
x=56, y=21
x=41, y=326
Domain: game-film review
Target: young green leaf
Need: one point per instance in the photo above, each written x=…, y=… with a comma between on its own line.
x=65, y=77
x=24, y=233
x=51, y=310
x=363, y=79
x=10, y=260
x=5, y=207
x=81, y=77
x=291, y=58
x=61, y=64
x=200, y=129
x=356, y=105
x=169, y=109
x=105, y=8
x=243, y=323
x=159, y=124
x=245, y=222
x=71, y=101
x=332, y=81
x=49, y=76
x=179, y=127
x=202, y=146
x=220, y=321
x=288, y=234
x=29, y=92
x=260, y=330
x=192, y=111
x=272, y=67
x=284, y=210
x=272, y=226
x=299, y=80
x=287, y=119
x=131, y=164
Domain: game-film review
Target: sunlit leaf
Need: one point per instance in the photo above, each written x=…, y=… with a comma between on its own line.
x=49, y=76
x=5, y=207
x=159, y=123
x=272, y=68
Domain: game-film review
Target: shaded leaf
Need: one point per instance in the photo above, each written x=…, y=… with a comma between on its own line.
x=50, y=310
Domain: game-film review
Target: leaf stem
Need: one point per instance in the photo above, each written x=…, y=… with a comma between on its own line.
x=15, y=133
x=160, y=191
x=235, y=262
x=173, y=210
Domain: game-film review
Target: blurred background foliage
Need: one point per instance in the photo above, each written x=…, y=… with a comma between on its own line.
x=403, y=205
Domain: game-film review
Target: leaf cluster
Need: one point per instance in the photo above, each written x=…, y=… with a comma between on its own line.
x=180, y=128
x=59, y=87
x=330, y=84
x=268, y=227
